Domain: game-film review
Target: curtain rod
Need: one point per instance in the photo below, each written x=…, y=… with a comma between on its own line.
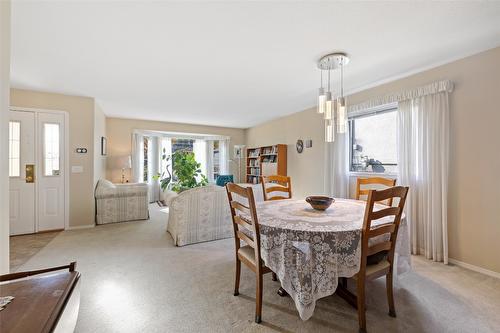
x=166, y=134
x=431, y=88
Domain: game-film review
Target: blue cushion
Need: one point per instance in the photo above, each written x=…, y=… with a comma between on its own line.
x=222, y=180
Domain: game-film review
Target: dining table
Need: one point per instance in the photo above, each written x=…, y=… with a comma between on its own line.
x=309, y=250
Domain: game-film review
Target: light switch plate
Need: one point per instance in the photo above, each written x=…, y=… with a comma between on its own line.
x=76, y=169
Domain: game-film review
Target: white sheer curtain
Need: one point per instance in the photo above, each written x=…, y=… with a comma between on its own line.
x=153, y=168
x=423, y=149
x=224, y=157
x=200, y=154
x=137, y=158
x=336, y=167
x=166, y=149
x=210, y=160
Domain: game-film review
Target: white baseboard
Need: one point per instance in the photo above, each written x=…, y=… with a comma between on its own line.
x=87, y=226
x=474, y=268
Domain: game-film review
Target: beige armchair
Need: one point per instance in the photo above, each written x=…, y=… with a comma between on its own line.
x=121, y=202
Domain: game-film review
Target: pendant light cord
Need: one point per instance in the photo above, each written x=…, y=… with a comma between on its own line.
x=342, y=79
x=329, y=70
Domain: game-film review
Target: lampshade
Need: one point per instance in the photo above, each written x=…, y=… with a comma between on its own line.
x=122, y=162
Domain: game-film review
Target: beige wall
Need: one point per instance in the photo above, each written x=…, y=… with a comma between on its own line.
x=473, y=209
x=306, y=169
x=81, y=134
x=4, y=136
x=119, y=132
x=99, y=132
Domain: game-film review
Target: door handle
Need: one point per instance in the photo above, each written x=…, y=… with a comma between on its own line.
x=30, y=173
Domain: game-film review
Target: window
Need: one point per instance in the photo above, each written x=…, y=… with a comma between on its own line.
x=373, y=142
x=181, y=144
x=145, y=161
x=14, y=149
x=51, y=149
x=216, y=160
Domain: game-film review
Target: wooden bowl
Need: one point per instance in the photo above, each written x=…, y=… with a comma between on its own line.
x=319, y=202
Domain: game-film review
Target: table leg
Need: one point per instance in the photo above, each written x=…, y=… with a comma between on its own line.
x=349, y=297
x=282, y=292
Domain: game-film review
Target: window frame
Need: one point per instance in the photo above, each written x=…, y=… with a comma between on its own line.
x=20, y=143
x=44, y=148
x=351, y=131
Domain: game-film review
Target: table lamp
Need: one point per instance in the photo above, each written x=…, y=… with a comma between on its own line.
x=124, y=162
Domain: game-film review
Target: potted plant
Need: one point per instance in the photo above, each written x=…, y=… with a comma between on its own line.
x=186, y=172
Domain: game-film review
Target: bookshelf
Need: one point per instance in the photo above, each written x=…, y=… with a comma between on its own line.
x=265, y=161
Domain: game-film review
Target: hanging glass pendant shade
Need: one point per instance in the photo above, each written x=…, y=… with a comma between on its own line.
x=321, y=97
x=321, y=101
x=341, y=109
x=328, y=106
x=329, y=131
x=341, y=115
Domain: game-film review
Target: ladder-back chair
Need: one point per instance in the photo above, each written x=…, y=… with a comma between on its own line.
x=276, y=184
x=382, y=249
x=246, y=229
x=383, y=182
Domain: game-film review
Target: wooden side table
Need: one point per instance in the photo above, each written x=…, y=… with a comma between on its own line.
x=44, y=300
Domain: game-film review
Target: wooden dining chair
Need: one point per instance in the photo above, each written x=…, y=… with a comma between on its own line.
x=246, y=229
x=377, y=259
x=385, y=182
x=277, y=183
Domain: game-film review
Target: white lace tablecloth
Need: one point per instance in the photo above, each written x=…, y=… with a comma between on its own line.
x=309, y=250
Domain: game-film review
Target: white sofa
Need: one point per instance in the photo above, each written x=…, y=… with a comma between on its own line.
x=121, y=202
x=202, y=214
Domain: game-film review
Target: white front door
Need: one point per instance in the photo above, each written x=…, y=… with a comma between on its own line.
x=22, y=180
x=36, y=170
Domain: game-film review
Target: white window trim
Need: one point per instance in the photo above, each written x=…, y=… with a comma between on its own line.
x=373, y=174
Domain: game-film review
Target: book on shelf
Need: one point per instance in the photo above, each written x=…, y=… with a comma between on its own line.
x=254, y=171
x=254, y=152
x=269, y=159
x=273, y=150
x=254, y=180
x=253, y=163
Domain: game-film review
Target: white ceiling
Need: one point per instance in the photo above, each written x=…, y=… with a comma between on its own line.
x=231, y=64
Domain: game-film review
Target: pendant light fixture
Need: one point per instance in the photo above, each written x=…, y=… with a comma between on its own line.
x=321, y=97
x=333, y=108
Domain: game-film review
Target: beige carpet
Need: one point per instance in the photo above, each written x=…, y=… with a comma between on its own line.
x=135, y=280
